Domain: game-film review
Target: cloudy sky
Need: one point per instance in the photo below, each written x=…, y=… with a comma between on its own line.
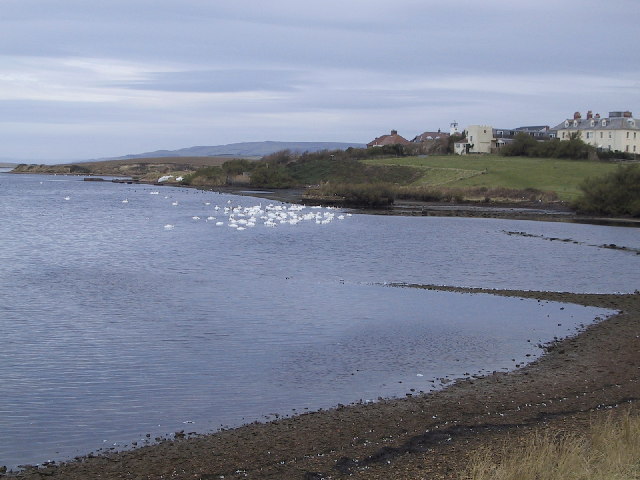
x=85, y=79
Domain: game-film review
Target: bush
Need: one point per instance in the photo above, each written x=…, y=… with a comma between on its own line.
x=526, y=145
x=345, y=167
x=522, y=145
x=78, y=169
x=614, y=155
x=283, y=157
x=206, y=176
x=237, y=166
x=451, y=140
x=271, y=175
x=372, y=195
x=615, y=194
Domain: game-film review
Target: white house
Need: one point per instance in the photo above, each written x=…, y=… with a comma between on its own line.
x=618, y=132
x=480, y=138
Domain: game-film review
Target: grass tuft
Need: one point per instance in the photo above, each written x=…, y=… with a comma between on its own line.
x=609, y=450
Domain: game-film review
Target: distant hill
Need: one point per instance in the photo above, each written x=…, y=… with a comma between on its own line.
x=245, y=149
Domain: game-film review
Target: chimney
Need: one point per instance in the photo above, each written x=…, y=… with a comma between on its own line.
x=589, y=115
x=577, y=116
x=627, y=114
x=597, y=115
x=394, y=132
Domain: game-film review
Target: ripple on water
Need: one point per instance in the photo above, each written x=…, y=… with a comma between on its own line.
x=135, y=330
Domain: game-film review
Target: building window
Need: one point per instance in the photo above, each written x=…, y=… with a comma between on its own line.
x=604, y=123
x=601, y=134
x=609, y=134
x=627, y=134
x=588, y=134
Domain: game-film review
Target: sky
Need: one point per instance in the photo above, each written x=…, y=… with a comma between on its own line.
x=92, y=79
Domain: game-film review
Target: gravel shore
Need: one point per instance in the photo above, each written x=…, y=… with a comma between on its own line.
x=427, y=436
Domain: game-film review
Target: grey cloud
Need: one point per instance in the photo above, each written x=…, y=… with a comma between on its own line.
x=61, y=112
x=227, y=80
x=410, y=36
x=359, y=62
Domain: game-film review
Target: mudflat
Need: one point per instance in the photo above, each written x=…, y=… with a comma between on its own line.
x=426, y=436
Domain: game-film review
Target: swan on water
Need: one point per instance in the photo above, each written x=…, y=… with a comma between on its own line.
x=272, y=215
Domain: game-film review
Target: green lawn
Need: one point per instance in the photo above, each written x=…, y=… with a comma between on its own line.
x=546, y=174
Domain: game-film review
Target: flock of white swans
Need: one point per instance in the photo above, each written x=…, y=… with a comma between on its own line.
x=271, y=215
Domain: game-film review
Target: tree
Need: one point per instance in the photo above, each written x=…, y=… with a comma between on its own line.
x=452, y=139
x=269, y=175
x=615, y=194
x=523, y=145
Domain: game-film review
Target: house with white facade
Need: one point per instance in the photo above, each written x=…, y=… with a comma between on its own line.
x=617, y=132
x=480, y=138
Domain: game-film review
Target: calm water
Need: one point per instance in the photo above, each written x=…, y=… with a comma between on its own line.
x=120, y=319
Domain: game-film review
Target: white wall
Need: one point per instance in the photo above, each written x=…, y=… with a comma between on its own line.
x=480, y=137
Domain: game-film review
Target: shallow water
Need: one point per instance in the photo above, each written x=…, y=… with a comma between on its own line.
x=115, y=326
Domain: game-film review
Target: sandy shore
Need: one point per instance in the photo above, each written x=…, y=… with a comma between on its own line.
x=424, y=436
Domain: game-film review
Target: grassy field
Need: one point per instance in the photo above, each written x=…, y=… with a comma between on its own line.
x=491, y=171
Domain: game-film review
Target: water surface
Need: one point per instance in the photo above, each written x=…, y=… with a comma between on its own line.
x=126, y=318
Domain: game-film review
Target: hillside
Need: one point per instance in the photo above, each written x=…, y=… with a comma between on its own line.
x=245, y=149
x=561, y=176
x=145, y=169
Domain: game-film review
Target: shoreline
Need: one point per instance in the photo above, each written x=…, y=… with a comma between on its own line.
x=553, y=212
x=556, y=212
x=421, y=436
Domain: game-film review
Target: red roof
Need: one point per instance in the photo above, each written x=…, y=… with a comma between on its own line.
x=392, y=139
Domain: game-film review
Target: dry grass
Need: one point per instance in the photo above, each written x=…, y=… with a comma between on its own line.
x=610, y=450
